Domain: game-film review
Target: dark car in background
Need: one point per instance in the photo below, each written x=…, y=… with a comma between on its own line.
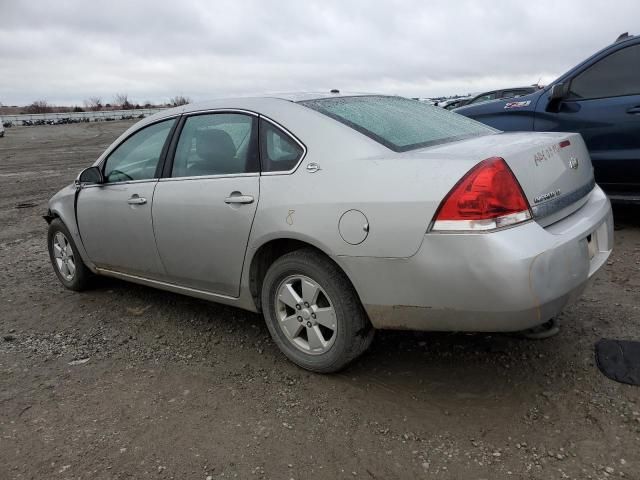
x=498, y=94
x=600, y=99
x=452, y=103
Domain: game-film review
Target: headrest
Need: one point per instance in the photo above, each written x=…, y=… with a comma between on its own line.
x=215, y=146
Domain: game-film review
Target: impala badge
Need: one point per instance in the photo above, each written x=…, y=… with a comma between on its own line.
x=546, y=196
x=573, y=163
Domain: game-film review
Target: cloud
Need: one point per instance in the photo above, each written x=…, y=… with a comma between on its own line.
x=66, y=51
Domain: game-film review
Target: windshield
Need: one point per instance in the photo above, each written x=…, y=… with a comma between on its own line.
x=398, y=123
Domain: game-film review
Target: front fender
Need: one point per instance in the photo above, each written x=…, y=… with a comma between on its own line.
x=63, y=206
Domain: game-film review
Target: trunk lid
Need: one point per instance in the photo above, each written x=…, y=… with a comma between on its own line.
x=554, y=169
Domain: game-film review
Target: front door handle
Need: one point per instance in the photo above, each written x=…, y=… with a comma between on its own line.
x=634, y=110
x=237, y=197
x=136, y=200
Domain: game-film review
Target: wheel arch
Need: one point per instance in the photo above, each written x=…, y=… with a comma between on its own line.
x=50, y=216
x=63, y=207
x=272, y=249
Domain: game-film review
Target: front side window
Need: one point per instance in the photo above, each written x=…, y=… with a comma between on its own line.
x=216, y=144
x=613, y=76
x=398, y=123
x=137, y=157
x=278, y=151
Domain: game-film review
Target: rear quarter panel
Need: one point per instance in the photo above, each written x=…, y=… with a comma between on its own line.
x=398, y=194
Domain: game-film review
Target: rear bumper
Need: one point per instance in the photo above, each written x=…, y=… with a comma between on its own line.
x=508, y=280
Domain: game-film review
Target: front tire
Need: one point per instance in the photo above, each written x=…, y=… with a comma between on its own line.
x=65, y=259
x=313, y=312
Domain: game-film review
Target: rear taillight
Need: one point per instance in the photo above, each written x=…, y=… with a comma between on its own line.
x=486, y=198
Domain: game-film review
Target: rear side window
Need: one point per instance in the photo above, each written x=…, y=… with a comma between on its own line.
x=216, y=144
x=613, y=76
x=278, y=151
x=399, y=123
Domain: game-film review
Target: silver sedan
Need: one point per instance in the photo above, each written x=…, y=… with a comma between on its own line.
x=336, y=215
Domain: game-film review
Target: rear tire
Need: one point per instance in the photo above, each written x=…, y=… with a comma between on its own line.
x=65, y=258
x=313, y=312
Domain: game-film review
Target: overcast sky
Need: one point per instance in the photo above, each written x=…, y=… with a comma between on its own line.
x=65, y=51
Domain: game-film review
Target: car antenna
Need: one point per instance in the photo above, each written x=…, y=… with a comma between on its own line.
x=622, y=36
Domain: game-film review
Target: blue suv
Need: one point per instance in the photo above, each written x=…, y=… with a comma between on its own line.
x=600, y=99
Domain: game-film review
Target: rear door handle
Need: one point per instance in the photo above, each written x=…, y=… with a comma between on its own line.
x=634, y=110
x=237, y=197
x=136, y=200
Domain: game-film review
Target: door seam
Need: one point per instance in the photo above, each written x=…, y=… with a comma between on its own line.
x=153, y=229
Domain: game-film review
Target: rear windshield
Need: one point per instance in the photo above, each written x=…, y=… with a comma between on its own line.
x=398, y=123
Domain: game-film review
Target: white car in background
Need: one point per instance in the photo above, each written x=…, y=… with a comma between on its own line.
x=454, y=102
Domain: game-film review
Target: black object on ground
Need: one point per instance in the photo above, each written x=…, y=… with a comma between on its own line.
x=619, y=360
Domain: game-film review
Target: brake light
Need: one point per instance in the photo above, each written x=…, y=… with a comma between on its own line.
x=486, y=198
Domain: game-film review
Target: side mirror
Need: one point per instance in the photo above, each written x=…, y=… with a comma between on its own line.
x=558, y=92
x=90, y=176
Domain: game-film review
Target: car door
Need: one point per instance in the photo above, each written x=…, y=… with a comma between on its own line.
x=204, y=207
x=603, y=104
x=114, y=218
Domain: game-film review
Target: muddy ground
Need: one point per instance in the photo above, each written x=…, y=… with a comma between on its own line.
x=125, y=381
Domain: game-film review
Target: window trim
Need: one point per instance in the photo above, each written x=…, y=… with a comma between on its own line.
x=168, y=164
x=287, y=133
x=161, y=161
x=208, y=177
x=589, y=67
x=165, y=173
x=124, y=182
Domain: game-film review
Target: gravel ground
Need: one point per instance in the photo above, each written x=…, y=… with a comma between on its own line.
x=124, y=381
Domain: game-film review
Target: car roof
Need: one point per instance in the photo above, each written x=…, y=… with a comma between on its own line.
x=283, y=107
x=304, y=96
x=255, y=103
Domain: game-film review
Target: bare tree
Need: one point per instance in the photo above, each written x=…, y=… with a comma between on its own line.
x=93, y=103
x=179, y=100
x=39, y=106
x=122, y=100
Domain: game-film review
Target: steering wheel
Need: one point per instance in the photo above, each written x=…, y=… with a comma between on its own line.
x=120, y=172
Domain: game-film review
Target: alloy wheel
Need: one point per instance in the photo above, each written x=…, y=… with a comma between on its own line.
x=306, y=315
x=63, y=255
